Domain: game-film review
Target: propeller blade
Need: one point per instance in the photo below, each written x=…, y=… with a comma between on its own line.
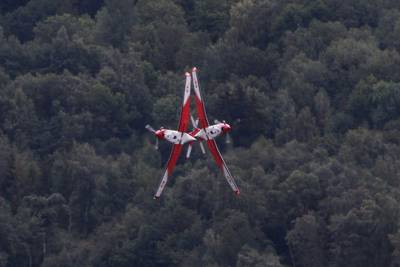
x=228, y=139
x=194, y=123
x=202, y=147
x=149, y=128
x=189, y=150
x=156, y=145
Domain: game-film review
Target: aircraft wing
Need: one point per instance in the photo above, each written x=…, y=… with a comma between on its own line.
x=212, y=145
x=173, y=158
x=177, y=148
x=201, y=110
x=185, y=112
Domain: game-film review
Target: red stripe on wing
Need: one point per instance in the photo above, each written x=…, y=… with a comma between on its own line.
x=177, y=148
x=201, y=113
x=215, y=152
x=173, y=158
x=185, y=116
x=212, y=145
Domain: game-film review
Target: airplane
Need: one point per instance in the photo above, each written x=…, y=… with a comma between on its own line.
x=172, y=136
x=204, y=132
x=210, y=132
x=178, y=138
x=213, y=131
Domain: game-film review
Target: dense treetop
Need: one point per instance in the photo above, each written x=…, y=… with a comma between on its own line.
x=311, y=88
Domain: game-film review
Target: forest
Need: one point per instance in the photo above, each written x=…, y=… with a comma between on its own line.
x=311, y=89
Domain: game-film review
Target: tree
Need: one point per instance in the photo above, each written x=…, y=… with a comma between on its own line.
x=285, y=106
x=303, y=78
x=253, y=258
x=323, y=110
x=156, y=18
x=21, y=120
x=230, y=234
x=246, y=106
x=22, y=20
x=305, y=126
x=306, y=241
x=249, y=21
x=362, y=147
x=114, y=21
x=303, y=192
x=314, y=39
x=210, y=16
x=75, y=27
x=346, y=60
x=6, y=162
x=78, y=177
x=228, y=57
x=310, y=88
x=356, y=233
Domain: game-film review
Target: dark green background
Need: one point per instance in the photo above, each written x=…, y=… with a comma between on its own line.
x=311, y=89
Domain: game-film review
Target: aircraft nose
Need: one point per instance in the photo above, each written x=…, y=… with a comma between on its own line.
x=160, y=134
x=226, y=128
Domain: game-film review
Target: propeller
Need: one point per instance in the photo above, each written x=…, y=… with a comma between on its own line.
x=189, y=150
x=195, y=124
x=151, y=129
x=202, y=147
x=228, y=138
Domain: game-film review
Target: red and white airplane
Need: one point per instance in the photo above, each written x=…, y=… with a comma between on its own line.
x=210, y=132
x=203, y=132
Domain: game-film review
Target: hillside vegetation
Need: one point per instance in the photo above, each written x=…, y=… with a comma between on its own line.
x=310, y=87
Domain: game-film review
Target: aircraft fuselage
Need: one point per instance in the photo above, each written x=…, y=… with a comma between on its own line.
x=213, y=131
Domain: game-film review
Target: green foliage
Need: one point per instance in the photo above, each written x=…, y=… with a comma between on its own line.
x=75, y=27
x=361, y=227
x=310, y=88
x=253, y=258
x=113, y=22
x=211, y=17
x=306, y=239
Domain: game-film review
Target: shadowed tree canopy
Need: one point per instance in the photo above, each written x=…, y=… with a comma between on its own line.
x=310, y=88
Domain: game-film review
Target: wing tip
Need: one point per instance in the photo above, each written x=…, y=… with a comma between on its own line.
x=237, y=192
x=194, y=69
x=187, y=74
x=156, y=197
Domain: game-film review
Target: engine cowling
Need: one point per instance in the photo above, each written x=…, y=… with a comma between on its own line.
x=160, y=134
